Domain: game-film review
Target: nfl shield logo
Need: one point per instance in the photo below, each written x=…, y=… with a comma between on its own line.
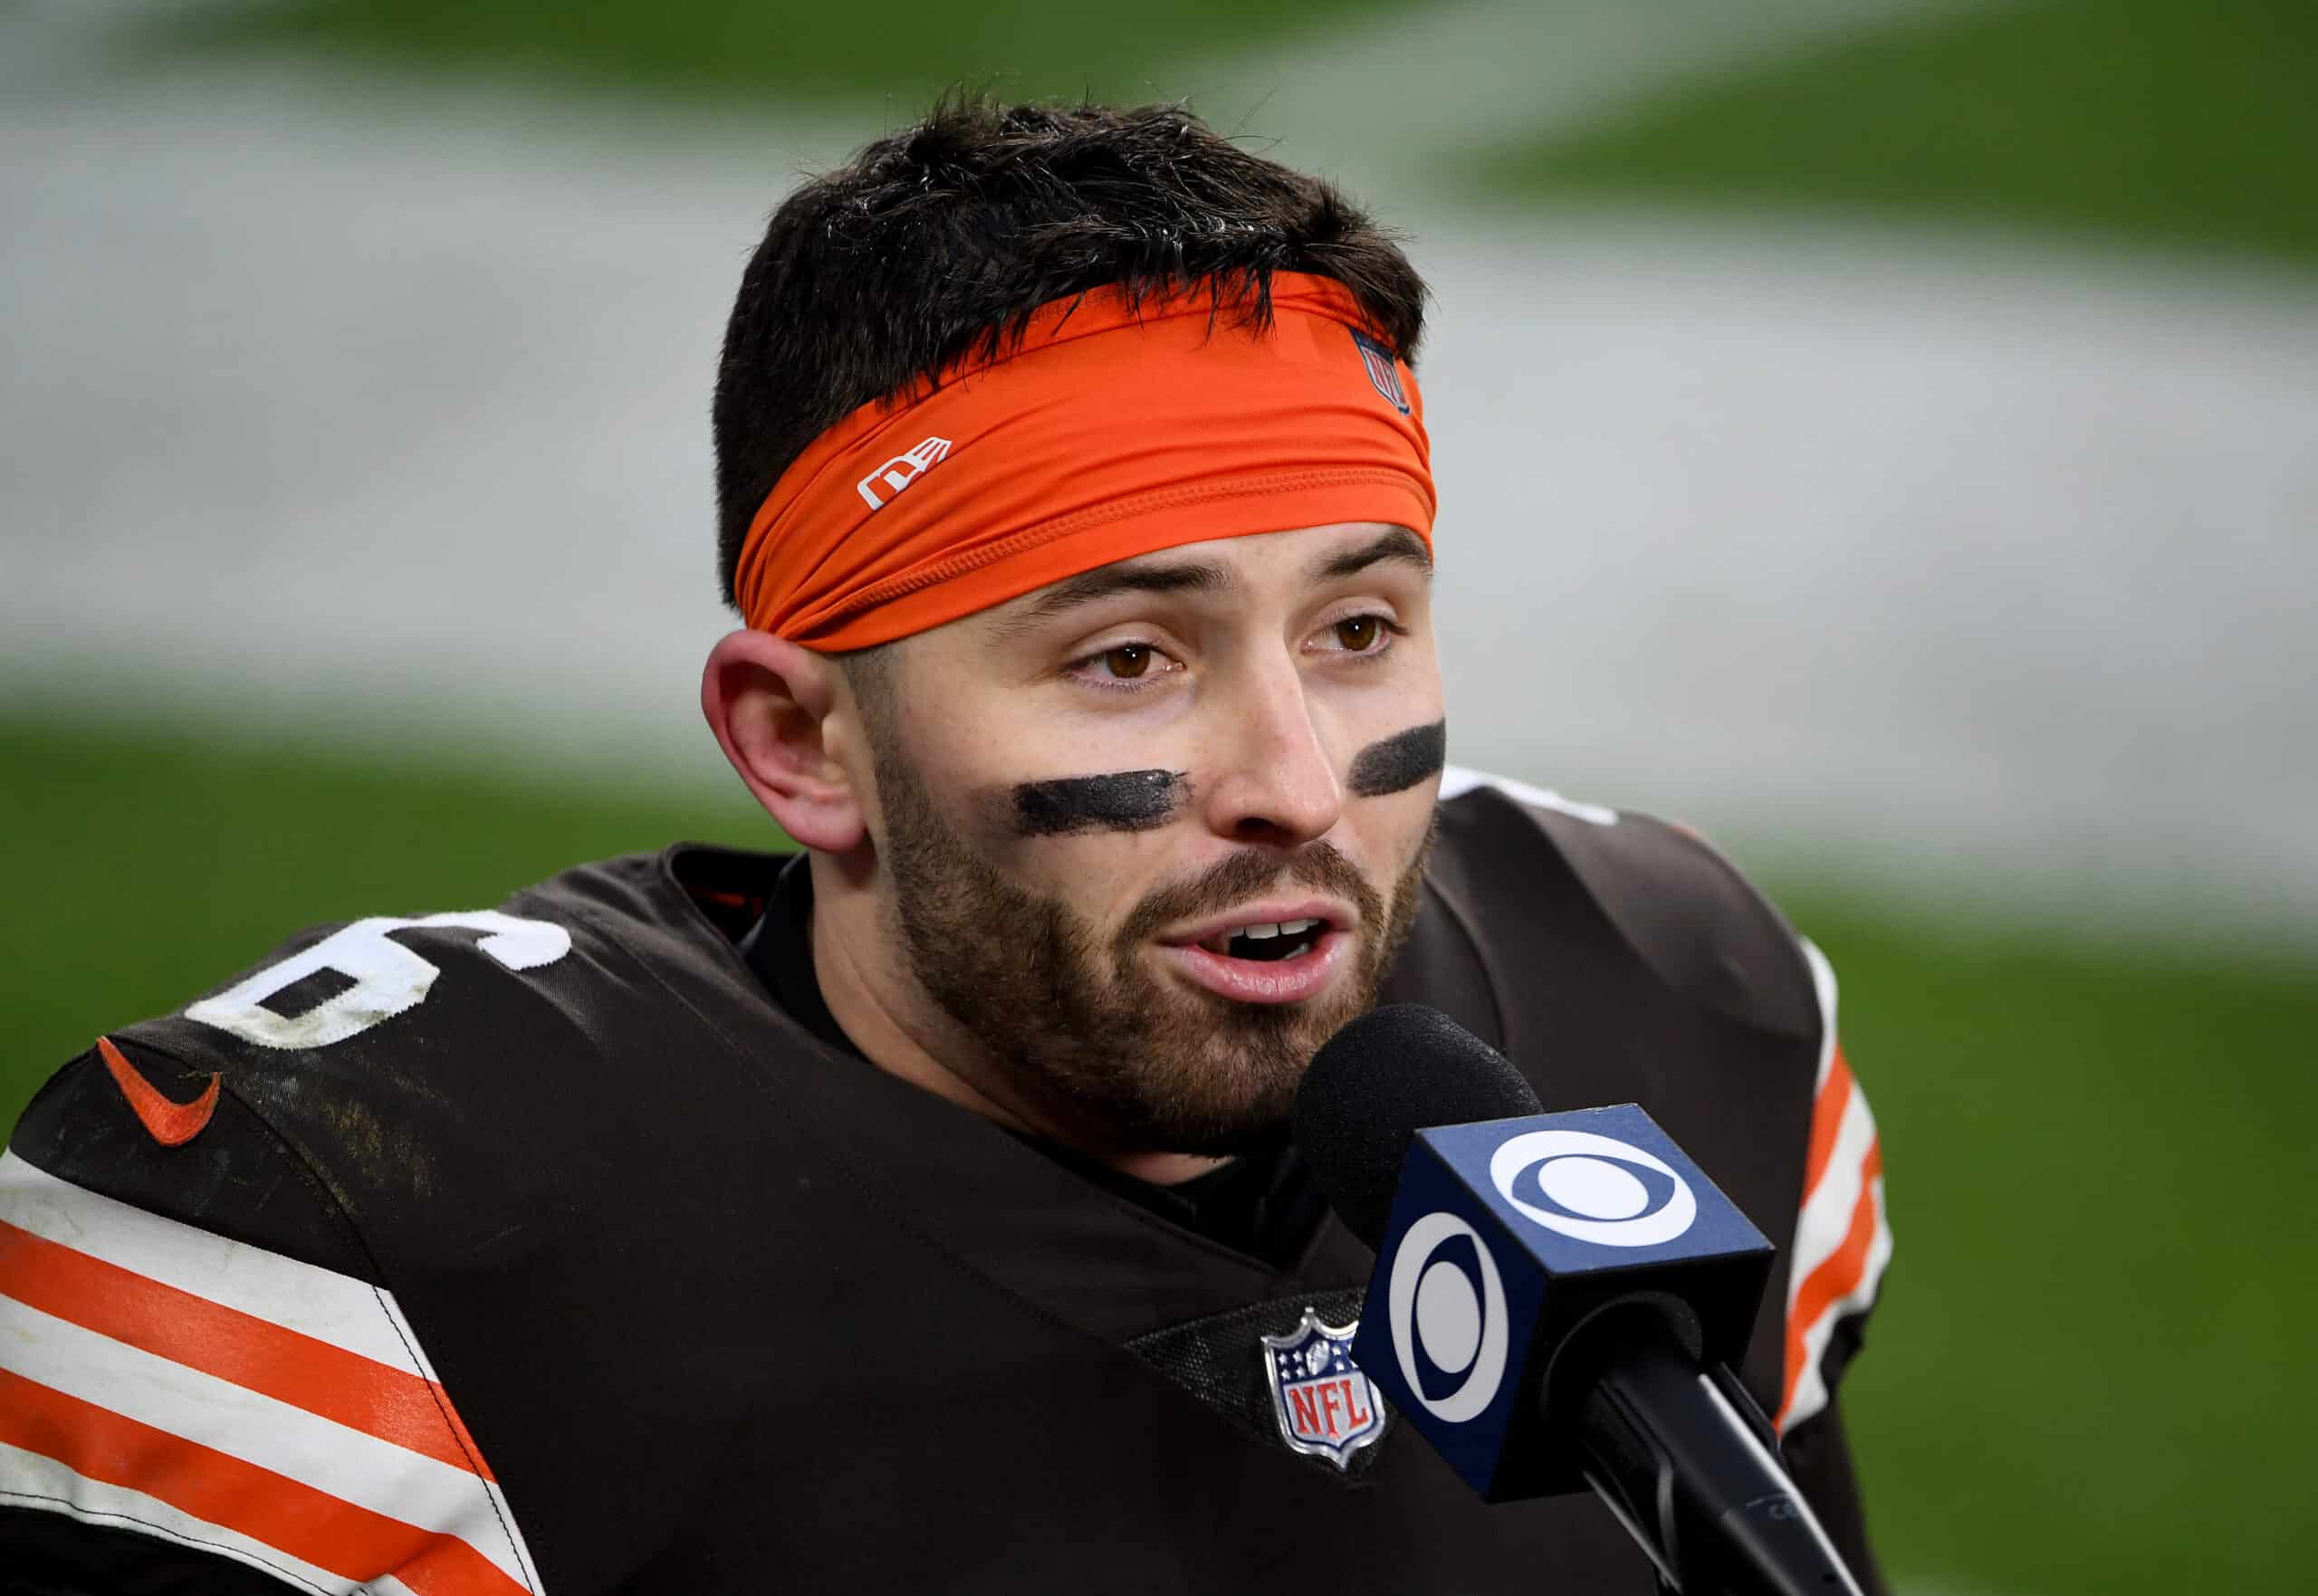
x=1382, y=371
x=1325, y=1404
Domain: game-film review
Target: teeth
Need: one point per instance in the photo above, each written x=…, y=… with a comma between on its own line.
x=1264, y=931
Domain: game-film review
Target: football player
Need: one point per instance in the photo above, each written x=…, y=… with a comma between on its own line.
x=915, y=1212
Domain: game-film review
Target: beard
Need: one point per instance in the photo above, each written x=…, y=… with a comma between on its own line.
x=1082, y=1025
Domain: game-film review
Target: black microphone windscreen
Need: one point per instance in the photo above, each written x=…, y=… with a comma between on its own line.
x=1390, y=1073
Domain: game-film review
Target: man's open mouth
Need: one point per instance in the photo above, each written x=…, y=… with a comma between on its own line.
x=1269, y=942
x=1298, y=960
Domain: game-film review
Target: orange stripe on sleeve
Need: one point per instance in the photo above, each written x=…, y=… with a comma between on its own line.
x=309, y=1524
x=392, y=1404
x=1836, y=1277
x=1826, y=1119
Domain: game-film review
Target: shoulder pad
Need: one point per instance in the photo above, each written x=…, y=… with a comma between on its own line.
x=1683, y=909
x=225, y=1173
x=197, y=1351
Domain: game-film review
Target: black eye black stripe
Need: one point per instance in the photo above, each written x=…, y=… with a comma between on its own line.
x=1127, y=800
x=1401, y=760
x=1137, y=800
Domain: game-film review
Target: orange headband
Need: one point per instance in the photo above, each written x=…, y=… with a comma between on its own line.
x=1112, y=433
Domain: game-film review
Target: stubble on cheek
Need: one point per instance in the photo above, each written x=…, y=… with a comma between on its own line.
x=1084, y=1021
x=1216, y=1076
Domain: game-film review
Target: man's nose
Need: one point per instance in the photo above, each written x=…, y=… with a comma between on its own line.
x=1274, y=781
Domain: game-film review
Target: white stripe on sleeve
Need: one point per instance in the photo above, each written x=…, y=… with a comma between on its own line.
x=348, y=1464
x=1811, y=1389
x=28, y=1479
x=1828, y=1210
x=305, y=1297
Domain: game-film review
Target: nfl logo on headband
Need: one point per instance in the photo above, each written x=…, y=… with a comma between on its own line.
x=1382, y=371
x=1325, y=1404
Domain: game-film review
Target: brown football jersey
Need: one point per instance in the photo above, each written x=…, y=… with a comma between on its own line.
x=541, y=1249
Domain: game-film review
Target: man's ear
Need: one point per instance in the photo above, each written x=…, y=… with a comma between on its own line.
x=769, y=702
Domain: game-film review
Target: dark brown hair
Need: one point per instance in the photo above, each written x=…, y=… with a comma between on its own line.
x=941, y=239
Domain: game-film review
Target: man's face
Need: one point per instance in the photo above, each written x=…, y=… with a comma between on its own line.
x=1152, y=834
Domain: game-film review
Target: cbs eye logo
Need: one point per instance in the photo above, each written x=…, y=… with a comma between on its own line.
x=1593, y=1188
x=1446, y=1306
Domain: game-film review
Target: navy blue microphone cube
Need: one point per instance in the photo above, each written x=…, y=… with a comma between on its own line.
x=1504, y=1236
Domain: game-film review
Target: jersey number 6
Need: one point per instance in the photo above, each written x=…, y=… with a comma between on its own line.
x=387, y=977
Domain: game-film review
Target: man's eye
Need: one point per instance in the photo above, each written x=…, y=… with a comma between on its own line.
x=1138, y=663
x=1128, y=661
x=1362, y=634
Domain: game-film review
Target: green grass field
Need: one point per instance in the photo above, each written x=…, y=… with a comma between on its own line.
x=778, y=56
x=151, y=865
x=2133, y=120
x=2085, y=1376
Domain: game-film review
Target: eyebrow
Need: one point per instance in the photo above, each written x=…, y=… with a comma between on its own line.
x=1397, y=543
x=1072, y=592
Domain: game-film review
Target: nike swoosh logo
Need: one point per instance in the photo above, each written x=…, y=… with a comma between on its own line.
x=173, y=1124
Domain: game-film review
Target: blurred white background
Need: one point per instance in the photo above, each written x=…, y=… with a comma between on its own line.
x=1965, y=560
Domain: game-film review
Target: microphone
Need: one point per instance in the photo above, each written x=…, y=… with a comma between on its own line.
x=1558, y=1301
